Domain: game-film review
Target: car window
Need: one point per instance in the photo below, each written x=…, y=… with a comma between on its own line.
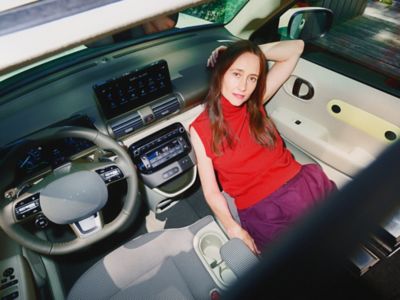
x=362, y=43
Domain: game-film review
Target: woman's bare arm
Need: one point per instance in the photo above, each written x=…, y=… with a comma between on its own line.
x=213, y=195
x=285, y=55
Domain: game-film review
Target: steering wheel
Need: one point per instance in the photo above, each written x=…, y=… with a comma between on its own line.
x=73, y=194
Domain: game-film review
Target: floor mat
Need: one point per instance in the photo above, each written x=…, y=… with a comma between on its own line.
x=186, y=209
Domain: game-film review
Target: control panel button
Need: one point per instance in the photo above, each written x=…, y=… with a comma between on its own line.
x=13, y=295
x=8, y=284
x=149, y=118
x=41, y=222
x=110, y=174
x=27, y=207
x=185, y=163
x=170, y=173
x=7, y=272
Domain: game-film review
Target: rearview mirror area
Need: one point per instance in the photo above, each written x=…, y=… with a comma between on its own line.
x=307, y=24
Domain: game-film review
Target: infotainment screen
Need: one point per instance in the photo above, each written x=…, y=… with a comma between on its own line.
x=129, y=91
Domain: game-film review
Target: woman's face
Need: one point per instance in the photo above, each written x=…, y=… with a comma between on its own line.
x=240, y=80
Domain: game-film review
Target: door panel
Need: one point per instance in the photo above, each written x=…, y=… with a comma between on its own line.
x=347, y=141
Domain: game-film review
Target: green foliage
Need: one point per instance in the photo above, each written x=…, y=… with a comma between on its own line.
x=217, y=11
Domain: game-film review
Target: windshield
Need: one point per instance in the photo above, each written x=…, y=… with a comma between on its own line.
x=213, y=12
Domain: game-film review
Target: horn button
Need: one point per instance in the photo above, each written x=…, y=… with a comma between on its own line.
x=73, y=197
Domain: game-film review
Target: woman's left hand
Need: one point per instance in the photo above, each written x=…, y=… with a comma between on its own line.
x=236, y=231
x=212, y=60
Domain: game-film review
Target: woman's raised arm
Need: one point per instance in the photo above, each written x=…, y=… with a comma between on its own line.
x=285, y=55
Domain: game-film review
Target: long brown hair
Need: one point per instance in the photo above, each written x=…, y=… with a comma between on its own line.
x=261, y=127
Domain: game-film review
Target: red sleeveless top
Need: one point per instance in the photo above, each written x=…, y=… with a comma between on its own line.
x=248, y=172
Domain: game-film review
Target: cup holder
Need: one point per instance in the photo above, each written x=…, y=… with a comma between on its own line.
x=210, y=244
x=226, y=274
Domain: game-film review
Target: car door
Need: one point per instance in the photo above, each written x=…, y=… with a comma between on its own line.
x=341, y=106
x=340, y=121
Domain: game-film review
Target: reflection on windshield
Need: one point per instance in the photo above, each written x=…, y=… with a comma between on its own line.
x=160, y=24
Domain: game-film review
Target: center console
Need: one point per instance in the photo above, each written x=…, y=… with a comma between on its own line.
x=163, y=155
x=130, y=102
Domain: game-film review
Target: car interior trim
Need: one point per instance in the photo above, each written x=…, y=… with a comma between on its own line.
x=362, y=120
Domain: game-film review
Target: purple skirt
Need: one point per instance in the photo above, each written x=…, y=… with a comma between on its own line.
x=266, y=219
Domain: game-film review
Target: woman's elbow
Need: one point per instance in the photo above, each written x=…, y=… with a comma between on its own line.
x=299, y=46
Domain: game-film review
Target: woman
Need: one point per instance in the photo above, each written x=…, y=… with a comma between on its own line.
x=236, y=142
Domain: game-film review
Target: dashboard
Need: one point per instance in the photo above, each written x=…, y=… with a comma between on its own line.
x=127, y=93
x=33, y=158
x=39, y=157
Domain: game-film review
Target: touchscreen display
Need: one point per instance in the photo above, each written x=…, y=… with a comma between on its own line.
x=129, y=91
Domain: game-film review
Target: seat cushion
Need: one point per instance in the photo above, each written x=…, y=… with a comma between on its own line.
x=162, y=282
x=158, y=264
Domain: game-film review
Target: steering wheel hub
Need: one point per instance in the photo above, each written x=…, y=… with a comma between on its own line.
x=74, y=197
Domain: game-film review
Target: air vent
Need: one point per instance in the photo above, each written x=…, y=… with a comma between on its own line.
x=127, y=125
x=166, y=107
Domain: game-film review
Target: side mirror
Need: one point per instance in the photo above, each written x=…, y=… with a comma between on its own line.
x=306, y=23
